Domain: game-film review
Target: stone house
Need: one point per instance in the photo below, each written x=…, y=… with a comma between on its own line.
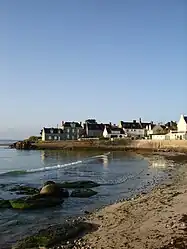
x=136, y=129
x=52, y=134
x=72, y=130
x=93, y=129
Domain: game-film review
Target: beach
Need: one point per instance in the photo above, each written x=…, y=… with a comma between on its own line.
x=152, y=221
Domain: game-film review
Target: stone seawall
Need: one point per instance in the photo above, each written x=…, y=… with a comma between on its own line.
x=165, y=145
x=174, y=145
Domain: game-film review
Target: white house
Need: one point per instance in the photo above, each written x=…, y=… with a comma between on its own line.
x=159, y=137
x=113, y=132
x=182, y=124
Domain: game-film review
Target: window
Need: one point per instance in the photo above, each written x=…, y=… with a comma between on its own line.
x=77, y=131
x=51, y=131
x=73, y=137
x=50, y=137
x=59, y=131
x=68, y=130
x=55, y=137
x=59, y=138
x=73, y=130
x=67, y=136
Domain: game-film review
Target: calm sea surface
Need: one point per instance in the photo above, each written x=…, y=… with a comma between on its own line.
x=121, y=175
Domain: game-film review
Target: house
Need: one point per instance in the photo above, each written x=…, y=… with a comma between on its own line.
x=113, y=132
x=182, y=124
x=170, y=130
x=93, y=129
x=159, y=137
x=136, y=129
x=72, y=130
x=52, y=134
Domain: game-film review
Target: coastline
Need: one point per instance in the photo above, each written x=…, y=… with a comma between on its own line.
x=107, y=145
x=153, y=220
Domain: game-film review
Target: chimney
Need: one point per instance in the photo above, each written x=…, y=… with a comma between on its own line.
x=134, y=121
x=140, y=120
x=62, y=123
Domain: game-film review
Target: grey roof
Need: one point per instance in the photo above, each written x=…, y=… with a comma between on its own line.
x=92, y=126
x=131, y=125
x=136, y=125
x=70, y=124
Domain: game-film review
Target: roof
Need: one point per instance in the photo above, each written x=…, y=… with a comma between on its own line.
x=72, y=124
x=115, y=129
x=94, y=126
x=131, y=125
x=55, y=130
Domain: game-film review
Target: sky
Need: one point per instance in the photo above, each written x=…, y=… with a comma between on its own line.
x=71, y=60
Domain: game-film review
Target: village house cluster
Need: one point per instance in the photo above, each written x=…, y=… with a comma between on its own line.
x=91, y=129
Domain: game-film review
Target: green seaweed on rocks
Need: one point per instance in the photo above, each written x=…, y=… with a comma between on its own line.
x=79, y=184
x=83, y=193
x=55, y=235
x=34, y=202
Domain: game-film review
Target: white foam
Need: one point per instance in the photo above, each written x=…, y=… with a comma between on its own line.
x=66, y=164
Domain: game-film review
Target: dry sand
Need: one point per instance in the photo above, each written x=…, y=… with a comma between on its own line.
x=152, y=221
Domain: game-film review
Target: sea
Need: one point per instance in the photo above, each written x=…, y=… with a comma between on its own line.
x=120, y=175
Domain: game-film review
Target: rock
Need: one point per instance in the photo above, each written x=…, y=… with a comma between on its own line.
x=83, y=193
x=22, y=145
x=54, y=235
x=49, y=182
x=25, y=190
x=5, y=204
x=34, y=202
x=79, y=184
x=54, y=190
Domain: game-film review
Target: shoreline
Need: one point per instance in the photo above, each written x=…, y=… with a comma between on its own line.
x=149, y=220
x=106, y=145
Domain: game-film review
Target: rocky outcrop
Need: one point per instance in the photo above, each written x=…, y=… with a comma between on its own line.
x=79, y=184
x=34, y=202
x=22, y=145
x=24, y=190
x=83, y=193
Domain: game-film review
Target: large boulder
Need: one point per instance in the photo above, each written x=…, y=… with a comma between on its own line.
x=83, y=193
x=79, y=184
x=49, y=182
x=34, y=202
x=54, y=190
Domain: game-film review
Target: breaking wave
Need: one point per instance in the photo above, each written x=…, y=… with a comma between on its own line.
x=59, y=166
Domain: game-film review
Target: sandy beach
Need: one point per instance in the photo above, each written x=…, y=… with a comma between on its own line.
x=152, y=221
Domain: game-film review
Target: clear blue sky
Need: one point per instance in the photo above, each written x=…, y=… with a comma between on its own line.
x=106, y=59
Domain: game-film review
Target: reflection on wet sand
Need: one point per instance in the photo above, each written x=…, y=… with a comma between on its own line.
x=159, y=162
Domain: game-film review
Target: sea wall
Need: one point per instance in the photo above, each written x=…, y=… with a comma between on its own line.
x=173, y=145
x=152, y=145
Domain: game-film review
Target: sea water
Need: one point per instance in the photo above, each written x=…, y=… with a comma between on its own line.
x=121, y=175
